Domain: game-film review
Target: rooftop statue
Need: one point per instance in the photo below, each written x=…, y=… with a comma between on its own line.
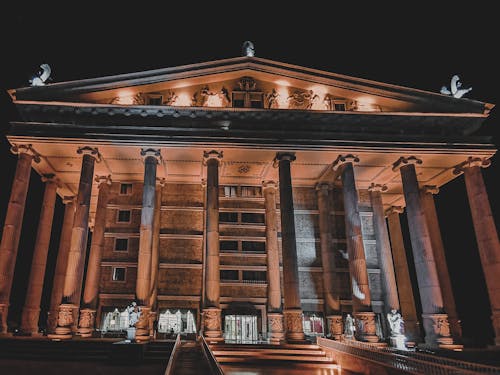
x=248, y=49
x=455, y=88
x=42, y=76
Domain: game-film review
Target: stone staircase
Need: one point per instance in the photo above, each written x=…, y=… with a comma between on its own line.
x=290, y=355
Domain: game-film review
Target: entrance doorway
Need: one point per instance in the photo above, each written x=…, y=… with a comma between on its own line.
x=241, y=329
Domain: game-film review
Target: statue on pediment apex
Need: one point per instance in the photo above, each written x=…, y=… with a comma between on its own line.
x=455, y=88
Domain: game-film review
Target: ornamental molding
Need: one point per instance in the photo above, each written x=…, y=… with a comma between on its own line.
x=403, y=161
x=26, y=149
x=344, y=159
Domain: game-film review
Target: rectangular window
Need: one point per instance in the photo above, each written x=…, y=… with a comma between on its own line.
x=121, y=244
x=125, y=189
x=155, y=99
x=256, y=100
x=229, y=275
x=118, y=273
x=228, y=245
x=238, y=99
x=252, y=218
x=257, y=246
x=228, y=217
x=254, y=276
x=124, y=216
x=251, y=191
x=339, y=106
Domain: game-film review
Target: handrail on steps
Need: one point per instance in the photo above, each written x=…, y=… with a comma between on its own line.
x=214, y=365
x=173, y=356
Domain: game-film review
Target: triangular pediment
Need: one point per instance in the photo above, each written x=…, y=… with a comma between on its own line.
x=249, y=82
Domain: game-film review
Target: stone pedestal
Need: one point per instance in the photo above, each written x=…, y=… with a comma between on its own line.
x=293, y=324
x=212, y=324
x=335, y=326
x=398, y=342
x=131, y=333
x=366, y=329
x=276, y=327
x=65, y=321
x=86, y=322
x=142, y=325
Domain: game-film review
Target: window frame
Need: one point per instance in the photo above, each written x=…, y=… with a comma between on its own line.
x=113, y=270
x=116, y=241
x=129, y=192
x=118, y=221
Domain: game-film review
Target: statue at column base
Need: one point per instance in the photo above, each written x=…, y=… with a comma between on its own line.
x=437, y=329
x=335, y=326
x=212, y=324
x=86, y=322
x=366, y=329
x=275, y=321
x=29, y=321
x=293, y=324
x=64, y=322
x=142, y=325
x=4, y=310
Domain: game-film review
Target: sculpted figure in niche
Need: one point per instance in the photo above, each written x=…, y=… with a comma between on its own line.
x=134, y=313
x=396, y=322
x=272, y=99
x=349, y=326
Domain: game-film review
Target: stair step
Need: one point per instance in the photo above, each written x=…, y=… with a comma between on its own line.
x=268, y=352
x=267, y=358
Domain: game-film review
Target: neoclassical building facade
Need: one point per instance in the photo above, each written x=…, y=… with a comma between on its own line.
x=245, y=198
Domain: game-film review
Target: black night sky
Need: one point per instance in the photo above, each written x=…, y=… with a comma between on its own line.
x=418, y=46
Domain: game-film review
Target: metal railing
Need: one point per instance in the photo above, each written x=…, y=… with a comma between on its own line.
x=173, y=356
x=214, y=365
x=412, y=362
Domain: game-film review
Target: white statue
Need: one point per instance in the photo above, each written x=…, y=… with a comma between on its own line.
x=455, y=88
x=133, y=314
x=396, y=322
x=42, y=76
x=248, y=49
x=349, y=327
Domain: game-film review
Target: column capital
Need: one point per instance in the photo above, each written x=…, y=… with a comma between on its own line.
x=377, y=187
x=161, y=181
x=471, y=162
x=323, y=186
x=430, y=189
x=26, y=149
x=402, y=161
x=213, y=154
x=49, y=178
x=270, y=184
x=147, y=152
x=103, y=180
x=92, y=151
x=68, y=199
x=344, y=159
x=290, y=156
x=394, y=210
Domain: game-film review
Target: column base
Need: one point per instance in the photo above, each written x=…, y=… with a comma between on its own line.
x=86, y=322
x=293, y=325
x=335, y=326
x=366, y=329
x=64, y=322
x=437, y=330
x=29, y=321
x=142, y=325
x=152, y=318
x=4, y=311
x=495, y=319
x=275, y=323
x=212, y=324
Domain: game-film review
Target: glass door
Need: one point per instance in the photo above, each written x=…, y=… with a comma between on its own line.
x=240, y=328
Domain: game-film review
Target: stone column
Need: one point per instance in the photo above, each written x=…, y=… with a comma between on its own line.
x=361, y=298
x=143, y=285
x=61, y=262
x=274, y=312
x=292, y=307
x=31, y=309
x=435, y=319
x=331, y=296
x=391, y=300
x=155, y=256
x=12, y=226
x=439, y=256
x=91, y=291
x=486, y=232
x=77, y=247
x=405, y=289
x=211, y=310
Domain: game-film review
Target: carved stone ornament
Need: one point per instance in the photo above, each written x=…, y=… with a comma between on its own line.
x=65, y=315
x=471, y=162
x=86, y=318
x=440, y=328
x=247, y=84
x=275, y=322
x=302, y=99
x=366, y=329
x=245, y=168
x=212, y=319
x=335, y=326
x=142, y=325
x=28, y=149
x=293, y=321
x=170, y=98
x=137, y=99
x=272, y=99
